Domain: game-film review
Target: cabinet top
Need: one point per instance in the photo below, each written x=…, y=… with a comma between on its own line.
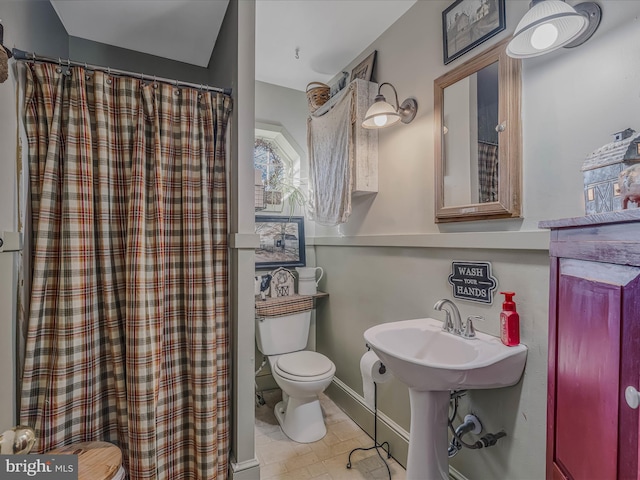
x=620, y=216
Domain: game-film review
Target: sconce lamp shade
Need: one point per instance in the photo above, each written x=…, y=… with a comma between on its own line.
x=551, y=24
x=382, y=114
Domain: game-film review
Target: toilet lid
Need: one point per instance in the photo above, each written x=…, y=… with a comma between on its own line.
x=96, y=460
x=304, y=364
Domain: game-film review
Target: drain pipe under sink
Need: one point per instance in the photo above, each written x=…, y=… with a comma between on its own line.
x=471, y=424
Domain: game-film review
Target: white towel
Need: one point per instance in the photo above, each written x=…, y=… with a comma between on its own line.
x=330, y=160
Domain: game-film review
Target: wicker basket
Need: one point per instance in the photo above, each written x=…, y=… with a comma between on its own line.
x=317, y=95
x=280, y=306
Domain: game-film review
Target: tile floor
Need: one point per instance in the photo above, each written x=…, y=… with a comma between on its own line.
x=283, y=459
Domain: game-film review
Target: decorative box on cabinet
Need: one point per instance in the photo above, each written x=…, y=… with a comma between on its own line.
x=594, y=347
x=364, y=143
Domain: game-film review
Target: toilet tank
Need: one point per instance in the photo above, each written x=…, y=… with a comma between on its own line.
x=285, y=334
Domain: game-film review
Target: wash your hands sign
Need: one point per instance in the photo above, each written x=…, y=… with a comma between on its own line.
x=473, y=281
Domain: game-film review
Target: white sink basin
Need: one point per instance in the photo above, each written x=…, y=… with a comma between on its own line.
x=431, y=363
x=424, y=357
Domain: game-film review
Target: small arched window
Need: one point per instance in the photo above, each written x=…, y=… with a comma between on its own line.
x=271, y=167
x=276, y=159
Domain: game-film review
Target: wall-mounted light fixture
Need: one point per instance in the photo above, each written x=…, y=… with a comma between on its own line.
x=382, y=114
x=551, y=24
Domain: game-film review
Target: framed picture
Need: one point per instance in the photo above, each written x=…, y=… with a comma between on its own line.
x=364, y=69
x=281, y=242
x=468, y=23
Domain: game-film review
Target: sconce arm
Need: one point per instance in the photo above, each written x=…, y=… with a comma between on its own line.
x=394, y=92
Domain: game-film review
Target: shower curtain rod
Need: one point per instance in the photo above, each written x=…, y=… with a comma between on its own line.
x=32, y=57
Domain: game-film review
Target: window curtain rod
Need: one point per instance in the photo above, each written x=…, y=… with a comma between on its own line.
x=32, y=57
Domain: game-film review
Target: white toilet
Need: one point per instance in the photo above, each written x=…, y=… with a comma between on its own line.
x=302, y=375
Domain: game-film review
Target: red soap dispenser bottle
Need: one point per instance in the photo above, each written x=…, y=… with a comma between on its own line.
x=509, y=321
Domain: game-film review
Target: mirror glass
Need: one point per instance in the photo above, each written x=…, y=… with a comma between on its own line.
x=477, y=139
x=470, y=138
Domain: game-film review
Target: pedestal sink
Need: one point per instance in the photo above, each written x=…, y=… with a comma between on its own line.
x=432, y=362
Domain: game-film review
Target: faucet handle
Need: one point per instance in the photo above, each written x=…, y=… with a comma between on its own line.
x=469, y=331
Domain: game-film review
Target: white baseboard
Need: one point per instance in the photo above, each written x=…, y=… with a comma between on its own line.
x=388, y=430
x=401, y=432
x=455, y=475
x=247, y=470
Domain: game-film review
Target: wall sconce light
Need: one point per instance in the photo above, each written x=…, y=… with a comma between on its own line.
x=382, y=114
x=551, y=24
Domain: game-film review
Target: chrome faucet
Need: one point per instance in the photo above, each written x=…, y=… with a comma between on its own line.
x=454, y=327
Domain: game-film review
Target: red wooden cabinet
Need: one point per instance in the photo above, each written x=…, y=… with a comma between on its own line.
x=594, y=347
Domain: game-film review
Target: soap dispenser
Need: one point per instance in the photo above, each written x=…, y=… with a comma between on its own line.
x=509, y=321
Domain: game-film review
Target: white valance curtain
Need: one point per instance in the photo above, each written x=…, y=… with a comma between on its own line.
x=330, y=161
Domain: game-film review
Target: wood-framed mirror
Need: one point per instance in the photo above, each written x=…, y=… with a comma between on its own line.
x=478, y=141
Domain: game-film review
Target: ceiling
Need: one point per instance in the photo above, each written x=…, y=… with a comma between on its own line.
x=327, y=34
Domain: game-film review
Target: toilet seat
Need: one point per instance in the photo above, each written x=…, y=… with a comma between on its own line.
x=304, y=366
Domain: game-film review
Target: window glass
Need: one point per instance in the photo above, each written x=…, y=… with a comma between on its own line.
x=269, y=163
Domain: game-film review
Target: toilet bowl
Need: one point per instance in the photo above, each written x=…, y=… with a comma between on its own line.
x=301, y=374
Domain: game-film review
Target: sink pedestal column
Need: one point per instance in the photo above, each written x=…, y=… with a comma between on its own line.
x=428, y=458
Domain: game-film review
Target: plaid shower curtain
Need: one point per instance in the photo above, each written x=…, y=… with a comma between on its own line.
x=127, y=332
x=487, y=172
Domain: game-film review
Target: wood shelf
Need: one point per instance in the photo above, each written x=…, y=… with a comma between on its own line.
x=287, y=305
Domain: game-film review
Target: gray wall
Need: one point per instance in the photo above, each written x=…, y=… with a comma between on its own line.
x=236, y=48
x=30, y=26
x=372, y=285
x=226, y=49
x=121, y=58
x=391, y=261
x=283, y=106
